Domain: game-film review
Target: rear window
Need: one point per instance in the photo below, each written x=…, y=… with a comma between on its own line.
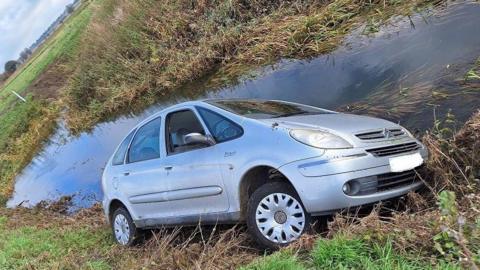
x=264, y=109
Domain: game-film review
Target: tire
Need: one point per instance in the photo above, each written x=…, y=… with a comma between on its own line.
x=124, y=230
x=280, y=227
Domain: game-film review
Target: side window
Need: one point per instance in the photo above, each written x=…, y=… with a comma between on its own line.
x=119, y=156
x=180, y=124
x=221, y=128
x=146, y=143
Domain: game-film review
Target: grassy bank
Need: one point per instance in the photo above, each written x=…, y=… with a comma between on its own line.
x=132, y=53
x=24, y=128
x=25, y=125
x=59, y=48
x=112, y=56
x=438, y=230
x=343, y=252
x=84, y=241
x=137, y=52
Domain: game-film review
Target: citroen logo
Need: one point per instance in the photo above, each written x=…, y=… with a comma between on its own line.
x=387, y=133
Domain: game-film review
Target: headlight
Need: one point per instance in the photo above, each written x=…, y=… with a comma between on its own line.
x=319, y=139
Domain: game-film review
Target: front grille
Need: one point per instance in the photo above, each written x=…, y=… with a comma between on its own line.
x=381, y=134
x=394, y=149
x=394, y=180
x=384, y=182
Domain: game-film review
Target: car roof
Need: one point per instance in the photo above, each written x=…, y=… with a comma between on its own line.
x=181, y=104
x=199, y=102
x=156, y=114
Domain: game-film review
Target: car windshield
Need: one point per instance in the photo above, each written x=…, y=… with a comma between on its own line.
x=264, y=109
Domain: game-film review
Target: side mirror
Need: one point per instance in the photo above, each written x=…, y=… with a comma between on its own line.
x=197, y=138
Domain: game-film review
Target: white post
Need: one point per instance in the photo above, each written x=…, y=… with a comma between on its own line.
x=20, y=97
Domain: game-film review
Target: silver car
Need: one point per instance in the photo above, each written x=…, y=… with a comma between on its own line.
x=271, y=164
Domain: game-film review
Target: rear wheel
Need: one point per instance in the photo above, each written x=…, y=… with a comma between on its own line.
x=124, y=230
x=276, y=216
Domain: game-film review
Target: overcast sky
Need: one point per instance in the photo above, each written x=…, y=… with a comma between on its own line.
x=22, y=22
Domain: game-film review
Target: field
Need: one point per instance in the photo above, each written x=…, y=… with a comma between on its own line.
x=117, y=56
x=26, y=125
x=61, y=48
x=112, y=56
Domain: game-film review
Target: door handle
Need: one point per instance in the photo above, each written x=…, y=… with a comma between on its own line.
x=126, y=173
x=168, y=168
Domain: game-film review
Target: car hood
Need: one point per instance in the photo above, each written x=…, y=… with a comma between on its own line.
x=345, y=125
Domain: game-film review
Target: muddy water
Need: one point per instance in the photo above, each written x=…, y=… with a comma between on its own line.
x=396, y=74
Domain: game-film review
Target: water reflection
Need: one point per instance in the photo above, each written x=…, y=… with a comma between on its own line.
x=391, y=75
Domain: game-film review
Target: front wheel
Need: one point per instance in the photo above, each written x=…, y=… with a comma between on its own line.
x=276, y=216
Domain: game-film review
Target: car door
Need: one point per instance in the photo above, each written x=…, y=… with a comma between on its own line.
x=230, y=148
x=194, y=178
x=118, y=162
x=141, y=180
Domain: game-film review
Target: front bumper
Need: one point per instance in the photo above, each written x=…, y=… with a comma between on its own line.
x=319, y=181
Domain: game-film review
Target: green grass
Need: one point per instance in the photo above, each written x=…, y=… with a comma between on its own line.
x=15, y=122
x=474, y=73
x=62, y=45
x=344, y=253
x=98, y=265
x=29, y=247
x=24, y=128
x=40, y=239
x=283, y=260
x=47, y=245
x=140, y=50
x=3, y=220
x=19, y=119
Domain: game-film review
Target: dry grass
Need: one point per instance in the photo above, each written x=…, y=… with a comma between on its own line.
x=135, y=53
x=25, y=126
x=428, y=227
x=20, y=149
x=454, y=162
x=426, y=231
x=192, y=249
x=224, y=247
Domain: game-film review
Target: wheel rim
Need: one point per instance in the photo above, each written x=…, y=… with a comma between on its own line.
x=121, y=229
x=280, y=218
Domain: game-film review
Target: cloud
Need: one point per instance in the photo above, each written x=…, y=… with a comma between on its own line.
x=22, y=22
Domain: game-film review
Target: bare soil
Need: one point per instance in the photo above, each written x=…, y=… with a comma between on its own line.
x=50, y=83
